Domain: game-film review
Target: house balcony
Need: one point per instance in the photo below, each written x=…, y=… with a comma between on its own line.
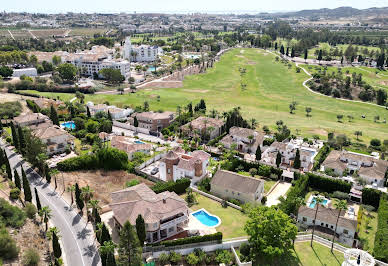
x=173, y=222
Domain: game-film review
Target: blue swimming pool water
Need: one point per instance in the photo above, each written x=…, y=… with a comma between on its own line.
x=68, y=125
x=151, y=69
x=139, y=142
x=313, y=203
x=205, y=218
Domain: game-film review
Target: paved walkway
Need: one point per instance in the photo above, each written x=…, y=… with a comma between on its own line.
x=280, y=190
x=77, y=236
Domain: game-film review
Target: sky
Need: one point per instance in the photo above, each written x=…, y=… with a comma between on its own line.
x=178, y=6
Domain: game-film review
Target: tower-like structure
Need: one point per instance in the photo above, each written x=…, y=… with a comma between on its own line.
x=127, y=48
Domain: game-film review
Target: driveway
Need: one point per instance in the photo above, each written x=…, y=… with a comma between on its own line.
x=77, y=237
x=280, y=190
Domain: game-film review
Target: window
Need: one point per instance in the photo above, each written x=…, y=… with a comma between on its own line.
x=171, y=229
x=332, y=227
x=346, y=231
x=321, y=224
x=327, y=225
x=304, y=219
x=169, y=171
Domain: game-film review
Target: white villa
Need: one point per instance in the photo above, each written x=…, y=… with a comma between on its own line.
x=115, y=112
x=178, y=164
x=165, y=214
x=56, y=139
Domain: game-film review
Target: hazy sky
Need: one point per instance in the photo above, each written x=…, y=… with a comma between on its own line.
x=211, y=6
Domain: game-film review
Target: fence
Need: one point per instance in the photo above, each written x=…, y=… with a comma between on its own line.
x=239, y=263
x=216, y=198
x=130, y=127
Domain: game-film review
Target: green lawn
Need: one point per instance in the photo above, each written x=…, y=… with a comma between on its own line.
x=343, y=47
x=232, y=220
x=271, y=87
x=368, y=230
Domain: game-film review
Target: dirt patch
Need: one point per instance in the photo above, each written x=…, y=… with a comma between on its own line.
x=252, y=63
x=384, y=82
x=197, y=91
x=103, y=183
x=162, y=84
x=242, y=51
x=319, y=131
x=240, y=56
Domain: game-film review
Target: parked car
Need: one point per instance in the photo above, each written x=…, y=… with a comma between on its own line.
x=154, y=171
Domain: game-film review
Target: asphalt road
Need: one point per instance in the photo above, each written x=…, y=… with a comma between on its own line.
x=77, y=239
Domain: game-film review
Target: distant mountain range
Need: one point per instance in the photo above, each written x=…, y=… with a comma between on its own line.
x=333, y=13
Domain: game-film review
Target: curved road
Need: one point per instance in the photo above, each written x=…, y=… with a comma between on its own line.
x=77, y=237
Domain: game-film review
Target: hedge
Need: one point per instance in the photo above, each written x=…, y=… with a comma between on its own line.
x=328, y=185
x=297, y=191
x=380, y=250
x=262, y=169
x=371, y=197
x=178, y=187
x=321, y=156
x=107, y=159
x=194, y=239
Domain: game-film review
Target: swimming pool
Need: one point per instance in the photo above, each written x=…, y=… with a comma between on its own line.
x=206, y=219
x=313, y=202
x=139, y=142
x=68, y=125
x=151, y=69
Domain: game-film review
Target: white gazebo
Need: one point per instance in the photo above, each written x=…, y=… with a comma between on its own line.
x=357, y=257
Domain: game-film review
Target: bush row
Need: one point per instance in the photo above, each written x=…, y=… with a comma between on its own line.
x=107, y=159
x=328, y=185
x=371, y=197
x=321, y=156
x=297, y=191
x=178, y=187
x=262, y=169
x=43, y=87
x=190, y=240
x=380, y=250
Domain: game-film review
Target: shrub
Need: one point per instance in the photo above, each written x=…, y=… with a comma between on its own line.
x=375, y=142
x=235, y=202
x=380, y=250
x=321, y=156
x=189, y=240
x=192, y=259
x=204, y=184
x=8, y=248
x=11, y=215
x=178, y=187
x=175, y=257
x=30, y=210
x=31, y=257
x=340, y=195
x=263, y=200
x=223, y=256
x=14, y=193
x=164, y=258
x=132, y=183
x=298, y=190
x=371, y=197
x=328, y=184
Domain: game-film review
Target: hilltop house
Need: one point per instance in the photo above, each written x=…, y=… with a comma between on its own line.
x=230, y=185
x=130, y=146
x=178, y=164
x=153, y=121
x=246, y=140
x=56, y=139
x=326, y=220
x=205, y=127
x=372, y=170
x=165, y=214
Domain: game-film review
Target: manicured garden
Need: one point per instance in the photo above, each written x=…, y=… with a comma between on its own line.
x=232, y=220
x=270, y=87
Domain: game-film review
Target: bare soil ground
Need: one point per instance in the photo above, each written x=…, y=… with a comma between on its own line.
x=103, y=183
x=163, y=84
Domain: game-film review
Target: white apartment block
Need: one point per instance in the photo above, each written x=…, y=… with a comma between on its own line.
x=142, y=53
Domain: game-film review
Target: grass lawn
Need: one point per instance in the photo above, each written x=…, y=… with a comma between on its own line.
x=271, y=87
x=232, y=220
x=368, y=230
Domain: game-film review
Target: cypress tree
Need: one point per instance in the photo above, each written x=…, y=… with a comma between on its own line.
x=38, y=205
x=109, y=116
x=1, y=126
x=56, y=247
x=282, y=50
x=54, y=115
x=15, y=138
x=297, y=160
x=48, y=175
x=305, y=54
x=78, y=199
x=105, y=236
x=26, y=188
x=276, y=46
x=135, y=122
x=320, y=55
x=96, y=215
x=287, y=51
x=140, y=229
x=292, y=52
x=278, y=159
x=8, y=168
x=258, y=153
x=22, y=142
x=2, y=158
x=88, y=112
x=16, y=179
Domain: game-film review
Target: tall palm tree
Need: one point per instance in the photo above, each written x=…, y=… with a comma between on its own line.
x=87, y=194
x=339, y=205
x=253, y=123
x=71, y=189
x=99, y=227
x=108, y=250
x=94, y=205
x=52, y=230
x=45, y=213
x=318, y=201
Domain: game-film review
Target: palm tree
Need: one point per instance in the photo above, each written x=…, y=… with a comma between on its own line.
x=108, y=250
x=339, y=205
x=50, y=232
x=93, y=204
x=45, y=213
x=253, y=123
x=87, y=194
x=318, y=201
x=99, y=227
x=71, y=189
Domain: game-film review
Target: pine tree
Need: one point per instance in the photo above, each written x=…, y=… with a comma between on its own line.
x=22, y=142
x=258, y=153
x=78, y=199
x=56, y=247
x=16, y=179
x=15, y=138
x=26, y=188
x=140, y=229
x=54, y=115
x=297, y=160
x=278, y=159
x=38, y=205
x=130, y=251
x=88, y=112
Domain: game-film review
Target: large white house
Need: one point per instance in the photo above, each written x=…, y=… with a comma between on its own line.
x=115, y=112
x=55, y=138
x=178, y=164
x=141, y=53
